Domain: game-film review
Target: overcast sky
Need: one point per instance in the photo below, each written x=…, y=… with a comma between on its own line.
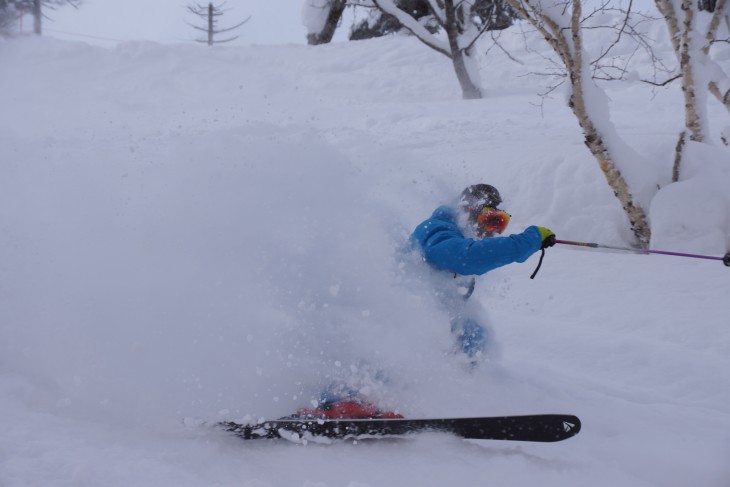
x=104, y=21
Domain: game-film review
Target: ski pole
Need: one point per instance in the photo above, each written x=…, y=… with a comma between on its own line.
x=725, y=260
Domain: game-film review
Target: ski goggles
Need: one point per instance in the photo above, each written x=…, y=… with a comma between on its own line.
x=492, y=220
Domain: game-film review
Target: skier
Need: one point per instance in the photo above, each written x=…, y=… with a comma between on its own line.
x=458, y=243
x=461, y=242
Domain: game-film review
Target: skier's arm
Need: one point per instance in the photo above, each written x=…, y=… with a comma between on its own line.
x=451, y=251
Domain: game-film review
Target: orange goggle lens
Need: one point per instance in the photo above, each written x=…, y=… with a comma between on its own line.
x=493, y=220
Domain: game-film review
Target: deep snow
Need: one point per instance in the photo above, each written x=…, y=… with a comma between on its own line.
x=216, y=233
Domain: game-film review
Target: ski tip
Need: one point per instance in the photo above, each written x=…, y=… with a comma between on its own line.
x=571, y=426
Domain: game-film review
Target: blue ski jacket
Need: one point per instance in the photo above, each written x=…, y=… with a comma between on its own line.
x=445, y=247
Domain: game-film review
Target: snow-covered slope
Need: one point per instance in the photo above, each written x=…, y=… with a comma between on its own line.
x=209, y=233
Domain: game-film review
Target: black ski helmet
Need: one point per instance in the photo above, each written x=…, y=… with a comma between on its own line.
x=478, y=196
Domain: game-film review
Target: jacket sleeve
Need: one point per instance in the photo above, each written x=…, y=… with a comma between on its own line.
x=449, y=250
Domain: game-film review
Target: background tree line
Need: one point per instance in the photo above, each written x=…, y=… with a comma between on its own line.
x=462, y=22
x=496, y=14
x=453, y=27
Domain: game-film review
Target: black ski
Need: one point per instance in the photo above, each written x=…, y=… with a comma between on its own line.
x=539, y=427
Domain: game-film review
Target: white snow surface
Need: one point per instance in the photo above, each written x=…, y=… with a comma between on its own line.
x=216, y=233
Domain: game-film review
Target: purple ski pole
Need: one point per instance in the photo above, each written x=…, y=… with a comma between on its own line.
x=725, y=260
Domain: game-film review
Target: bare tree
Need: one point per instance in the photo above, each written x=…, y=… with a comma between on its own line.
x=459, y=23
x=210, y=14
x=559, y=22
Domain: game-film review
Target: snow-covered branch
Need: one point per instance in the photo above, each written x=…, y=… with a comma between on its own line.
x=414, y=26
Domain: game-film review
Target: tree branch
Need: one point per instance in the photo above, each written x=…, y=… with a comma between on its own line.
x=714, y=24
x=664, y=83
x=413, y=26
x=234, y=27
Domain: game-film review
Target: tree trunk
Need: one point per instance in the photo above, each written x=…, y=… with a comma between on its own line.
x=37, y=17
x=666, y=8
x=681, y=33
x=469, y=89
x=337, y=7
x=211, y=11
x=718, y=9
x=678, y=151
x=594, y=142
x=692, y=119
x=460, y=57
x=723, y=98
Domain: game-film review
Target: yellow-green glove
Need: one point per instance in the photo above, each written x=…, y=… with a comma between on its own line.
x=547, y=236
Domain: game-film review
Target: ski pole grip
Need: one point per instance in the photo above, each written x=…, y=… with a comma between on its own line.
x=726, y=259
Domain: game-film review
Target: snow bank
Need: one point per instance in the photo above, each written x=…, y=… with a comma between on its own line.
x=216, y=233
x=694, y=214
